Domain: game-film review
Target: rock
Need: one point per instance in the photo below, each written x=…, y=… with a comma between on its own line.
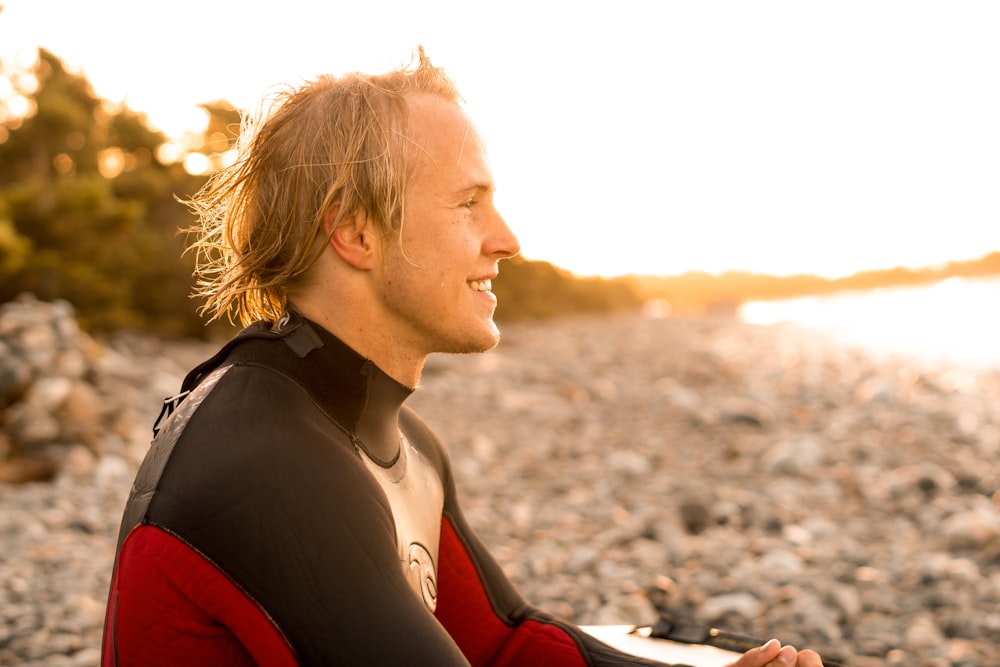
x=735, y=410
x=46, y=393
x=742, y=605
x=30, y=426
x=923, y=479
x=113, y=471
x=79, y=462
x=974, y=529
x=923, y=633
x=677, y=394
x=81, y=415
x=750, y=477
x=24, y=469
x=795, y=456
x=845, y=601
x=695, y=515
x=781, y=567
x=629, y=463
x=15, y=375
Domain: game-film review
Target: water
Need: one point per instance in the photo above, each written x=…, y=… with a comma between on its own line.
x=955, y=321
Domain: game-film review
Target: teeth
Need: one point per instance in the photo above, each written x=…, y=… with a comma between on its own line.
x=481, y=285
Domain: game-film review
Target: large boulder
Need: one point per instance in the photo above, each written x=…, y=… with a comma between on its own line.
x=48, y=402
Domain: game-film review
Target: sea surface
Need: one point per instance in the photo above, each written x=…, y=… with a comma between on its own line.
x=954, y=321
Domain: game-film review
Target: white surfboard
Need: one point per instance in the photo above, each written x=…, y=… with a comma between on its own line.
x=636, y=641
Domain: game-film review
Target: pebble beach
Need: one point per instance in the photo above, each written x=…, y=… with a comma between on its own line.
x=756, y=478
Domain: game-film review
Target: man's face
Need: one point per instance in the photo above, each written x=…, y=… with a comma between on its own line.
x=436, y=277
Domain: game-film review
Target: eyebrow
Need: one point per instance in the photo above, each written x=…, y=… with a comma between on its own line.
x=477, y=187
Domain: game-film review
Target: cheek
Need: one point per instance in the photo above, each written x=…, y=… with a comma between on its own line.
x=443, y=257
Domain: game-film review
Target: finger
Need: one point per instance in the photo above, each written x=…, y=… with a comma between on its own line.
x=785, y=658
x=760, y=656
x=808, y=658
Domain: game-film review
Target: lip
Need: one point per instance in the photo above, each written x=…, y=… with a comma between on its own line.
x=483, y=279
x=487, y=293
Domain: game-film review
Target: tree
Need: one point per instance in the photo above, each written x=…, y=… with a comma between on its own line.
x=89, y=213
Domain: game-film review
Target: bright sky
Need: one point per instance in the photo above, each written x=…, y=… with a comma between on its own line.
x=629, y=136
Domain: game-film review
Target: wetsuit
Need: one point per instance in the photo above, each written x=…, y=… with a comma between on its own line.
x=292, y=511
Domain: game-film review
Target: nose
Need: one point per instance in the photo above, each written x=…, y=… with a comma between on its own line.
x=502, y=242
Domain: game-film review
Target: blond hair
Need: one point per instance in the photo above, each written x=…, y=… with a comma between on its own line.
x=333, y=141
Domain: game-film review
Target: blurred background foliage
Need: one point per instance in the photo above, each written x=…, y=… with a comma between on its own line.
x=537, y=289
x=88, y=208
x=89, y=213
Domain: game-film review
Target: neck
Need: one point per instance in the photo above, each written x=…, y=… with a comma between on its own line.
x=350, y=388
x=363, y=335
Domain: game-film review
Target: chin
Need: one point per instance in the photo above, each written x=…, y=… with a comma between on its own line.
x=482, y=338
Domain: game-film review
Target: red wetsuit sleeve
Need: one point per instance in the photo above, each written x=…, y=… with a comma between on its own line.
x=489, y=620
x=484, y=635
x=170, y=606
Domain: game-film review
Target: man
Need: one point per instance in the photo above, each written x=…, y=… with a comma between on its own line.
x=292, y=510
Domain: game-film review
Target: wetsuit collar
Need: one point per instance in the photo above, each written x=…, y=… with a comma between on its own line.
x=355, y=393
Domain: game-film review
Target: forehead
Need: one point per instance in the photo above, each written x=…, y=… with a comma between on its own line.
x=443, y=140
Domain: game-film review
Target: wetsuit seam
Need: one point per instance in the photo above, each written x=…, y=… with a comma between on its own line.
x=114, y=633
x=256, y=603
x=466, y=547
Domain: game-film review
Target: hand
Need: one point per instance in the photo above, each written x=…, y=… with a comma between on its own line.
x=772, y=654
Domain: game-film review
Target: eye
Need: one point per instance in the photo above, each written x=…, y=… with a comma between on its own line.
x=469, y=203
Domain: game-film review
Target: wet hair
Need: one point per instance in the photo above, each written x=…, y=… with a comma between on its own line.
x=334, y=141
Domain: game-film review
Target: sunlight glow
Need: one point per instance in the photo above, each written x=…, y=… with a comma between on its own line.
x=952, y=320
x=19, y=108
x=196, y=163
x=63, y=163
x=698, y=136
x=111, y=162
x=169, y=152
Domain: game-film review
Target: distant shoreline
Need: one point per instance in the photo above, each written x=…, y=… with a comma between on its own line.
x=697, y=292
x=950, y=321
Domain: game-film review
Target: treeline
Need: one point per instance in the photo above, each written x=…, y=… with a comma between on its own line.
x=539, y=290
x=697, y=293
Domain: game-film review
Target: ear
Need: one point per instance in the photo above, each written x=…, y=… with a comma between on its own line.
x=352, y=239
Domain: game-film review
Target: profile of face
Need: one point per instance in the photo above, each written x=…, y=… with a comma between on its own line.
x=435, y=277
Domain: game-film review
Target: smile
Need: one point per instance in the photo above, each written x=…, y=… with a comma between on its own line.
x=481, y=285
